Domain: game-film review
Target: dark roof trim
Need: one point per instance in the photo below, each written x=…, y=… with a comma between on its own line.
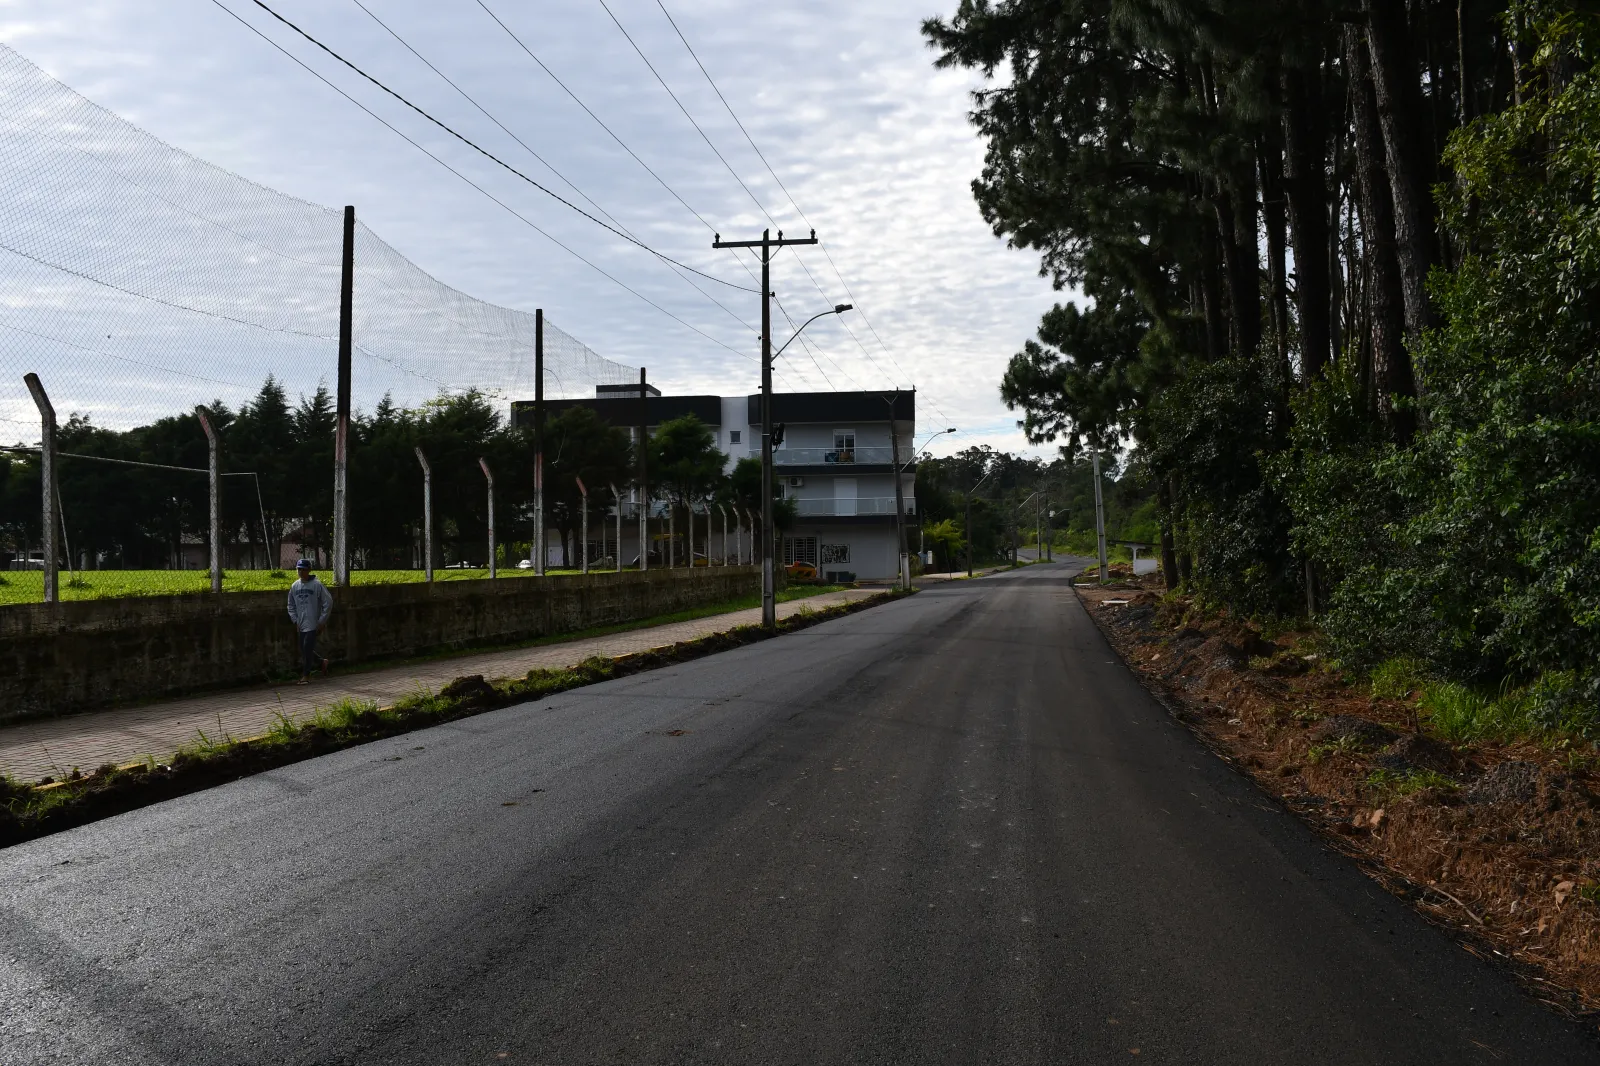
x=840, y=407
x=625, y=411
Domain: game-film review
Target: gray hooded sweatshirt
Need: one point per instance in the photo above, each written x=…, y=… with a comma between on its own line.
x=310, y=603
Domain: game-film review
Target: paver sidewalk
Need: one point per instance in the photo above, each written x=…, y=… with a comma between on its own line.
x=53, y=746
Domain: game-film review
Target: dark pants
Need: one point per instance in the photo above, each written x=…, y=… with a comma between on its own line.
x=308, y=652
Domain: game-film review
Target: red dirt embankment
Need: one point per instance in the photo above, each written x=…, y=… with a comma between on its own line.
x=1499, y=841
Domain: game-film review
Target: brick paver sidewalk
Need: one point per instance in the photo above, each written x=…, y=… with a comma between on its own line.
x=53, y=746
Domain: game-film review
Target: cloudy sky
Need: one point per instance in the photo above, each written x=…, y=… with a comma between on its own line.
x=840, y=97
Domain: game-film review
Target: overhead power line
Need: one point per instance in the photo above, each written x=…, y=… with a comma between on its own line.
x=790, y=196
x=531, y=151
x=501, y=203
x=491, y=156
x=753, y=198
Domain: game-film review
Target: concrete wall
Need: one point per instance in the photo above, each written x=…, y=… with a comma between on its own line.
x=63, y=657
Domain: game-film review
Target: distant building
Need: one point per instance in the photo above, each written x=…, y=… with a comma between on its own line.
x=835, y=462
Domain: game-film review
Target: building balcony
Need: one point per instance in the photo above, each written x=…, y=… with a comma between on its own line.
x=865, y=505
x=831, y=456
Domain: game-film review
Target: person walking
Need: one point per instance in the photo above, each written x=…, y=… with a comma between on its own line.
x=310, y=603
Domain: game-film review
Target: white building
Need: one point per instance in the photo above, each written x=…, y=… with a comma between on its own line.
x=836, y=462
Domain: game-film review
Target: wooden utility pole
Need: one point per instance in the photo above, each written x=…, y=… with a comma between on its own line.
x=644, y=489
x=341, y=432
x=1099, y=517
x=904, y=567
x=769, y=602
x=539, y=552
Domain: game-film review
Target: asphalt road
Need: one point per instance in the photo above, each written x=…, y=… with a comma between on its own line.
x=948, y=830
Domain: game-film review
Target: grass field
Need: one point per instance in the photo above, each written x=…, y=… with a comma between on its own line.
x=27, y=586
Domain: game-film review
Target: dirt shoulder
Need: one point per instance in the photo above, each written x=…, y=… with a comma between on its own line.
x=1498, y=841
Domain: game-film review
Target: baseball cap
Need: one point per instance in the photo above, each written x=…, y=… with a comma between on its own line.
x=303, y=564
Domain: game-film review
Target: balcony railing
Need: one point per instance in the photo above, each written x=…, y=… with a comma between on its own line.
x=865, y=505
x=829, y=456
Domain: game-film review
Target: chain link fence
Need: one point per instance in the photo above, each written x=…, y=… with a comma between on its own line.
x=150, y=293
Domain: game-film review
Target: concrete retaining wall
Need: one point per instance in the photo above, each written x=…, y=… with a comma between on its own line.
x=63, y=657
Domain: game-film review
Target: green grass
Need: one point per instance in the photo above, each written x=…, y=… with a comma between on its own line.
x=1407, y=782
x=27, y=586
x=1396, y=679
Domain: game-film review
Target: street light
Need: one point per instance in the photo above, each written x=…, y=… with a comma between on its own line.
x=838, y=309
x=917, y=453
x=769, y=594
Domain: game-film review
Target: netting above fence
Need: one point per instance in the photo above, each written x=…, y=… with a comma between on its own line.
x=138, y=281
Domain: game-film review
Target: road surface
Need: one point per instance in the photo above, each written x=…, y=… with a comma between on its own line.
x=948, y=830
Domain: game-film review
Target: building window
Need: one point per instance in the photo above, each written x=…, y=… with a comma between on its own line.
x=844, y=447
x=799, y=550
x=835, y=553
x=733, y=436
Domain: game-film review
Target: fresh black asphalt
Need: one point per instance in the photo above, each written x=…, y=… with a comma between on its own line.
x=952, y=829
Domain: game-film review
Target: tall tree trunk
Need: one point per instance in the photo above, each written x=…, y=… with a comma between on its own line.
x=1169, y=551
x=1305, y=130
x=1211, y=292
x=1270, y=158
x=1399, y=106
x=1391, y=364
x=1241, y=267
x=1245, y=283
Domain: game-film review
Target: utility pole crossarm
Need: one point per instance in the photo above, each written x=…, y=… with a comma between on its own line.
x=780, y=241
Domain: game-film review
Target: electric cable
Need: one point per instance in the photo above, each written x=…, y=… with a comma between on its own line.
x=792, y=201
x=531, y=151
x=753, y=199
x=488, y=154
x=508, y=208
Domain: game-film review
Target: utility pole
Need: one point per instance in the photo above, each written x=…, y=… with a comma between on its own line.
x=1039, y=530
x=341, y=432
x=899, y=493
x=769, y=603
x=214, y=495
x=539, y=552
x=644, y=489
x=1099, y=517
x=969, y=530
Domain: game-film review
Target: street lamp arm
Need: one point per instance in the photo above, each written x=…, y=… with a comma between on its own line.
x=838, y=309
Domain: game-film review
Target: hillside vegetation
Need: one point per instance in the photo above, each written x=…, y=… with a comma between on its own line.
x=1335, y=273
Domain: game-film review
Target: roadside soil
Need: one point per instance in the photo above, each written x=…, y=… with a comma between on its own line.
x=1499, y=842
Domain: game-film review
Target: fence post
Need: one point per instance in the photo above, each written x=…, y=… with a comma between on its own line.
x=341, y=432
x=483, y=464
x=618, y=497
x=427, y=514
x=47, y=480
x=724, y=511
x=214, y=493
x=583, y=493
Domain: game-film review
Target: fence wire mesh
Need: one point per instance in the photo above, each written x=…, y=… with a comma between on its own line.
x=138, y=282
